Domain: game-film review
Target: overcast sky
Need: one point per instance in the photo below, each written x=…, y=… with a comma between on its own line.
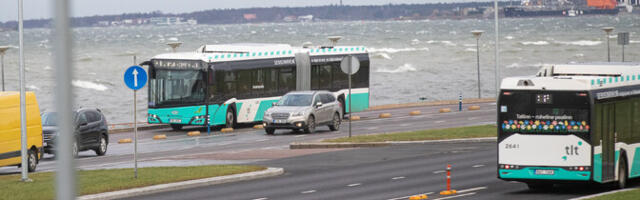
x=35, y=9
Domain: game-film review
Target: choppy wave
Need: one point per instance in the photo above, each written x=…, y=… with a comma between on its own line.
x=470, y=49
x=403, y=68
x=382, y=55
x=394, y=50
x=518, y=65
x=537, y=43
x=580, y=43
x=89, y=85
x=634, y=41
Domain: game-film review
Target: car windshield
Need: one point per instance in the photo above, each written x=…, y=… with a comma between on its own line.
x=296, y=100
x=49, y=119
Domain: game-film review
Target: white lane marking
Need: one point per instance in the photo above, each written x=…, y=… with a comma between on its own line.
x=439, y=171
x=406, y=197
x=476, y=166
x=405, y=124
x=355, y=184
x=437, y=122
x=263, y=198
x=300, y=136
x=472, y=189
x=262, y=140
x=472, y=118
x=308, y=192
x=397, y=178
x=372, y=128
x=451, y=197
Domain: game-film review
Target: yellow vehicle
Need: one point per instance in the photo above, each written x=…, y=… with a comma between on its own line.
x=10, y=130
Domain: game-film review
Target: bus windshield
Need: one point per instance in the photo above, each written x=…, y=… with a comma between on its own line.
x=176, y=87
x=295, y=100
x=544, y=112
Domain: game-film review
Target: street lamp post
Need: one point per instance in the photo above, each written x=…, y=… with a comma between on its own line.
x=3, y=50
x=174, y=45
x=477, y=34
x=608, y=31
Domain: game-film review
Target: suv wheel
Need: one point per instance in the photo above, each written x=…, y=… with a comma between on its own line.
x=270, y=131
x=32, y=161
x=311, y=125
x=102, y=147
x=335, y=126
x=74, y=149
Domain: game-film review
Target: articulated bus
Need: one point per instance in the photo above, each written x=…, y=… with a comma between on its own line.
x=570, y=123
x=222, y=85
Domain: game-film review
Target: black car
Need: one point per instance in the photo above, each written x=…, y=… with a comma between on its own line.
x=91, y=131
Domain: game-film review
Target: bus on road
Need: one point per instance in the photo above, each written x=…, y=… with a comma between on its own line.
x=570, y=123
x=222, y=85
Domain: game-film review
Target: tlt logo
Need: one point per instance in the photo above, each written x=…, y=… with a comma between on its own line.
x=571, y=150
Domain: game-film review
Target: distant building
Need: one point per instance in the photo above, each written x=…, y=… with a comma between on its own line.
x=305, y=18
x=165, y=21
x=290, y=18
x=250, y=16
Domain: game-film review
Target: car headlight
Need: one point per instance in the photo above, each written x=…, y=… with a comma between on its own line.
x=297, y=114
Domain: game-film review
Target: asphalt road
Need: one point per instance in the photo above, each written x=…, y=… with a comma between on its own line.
x=173, y=150
x=388, y=173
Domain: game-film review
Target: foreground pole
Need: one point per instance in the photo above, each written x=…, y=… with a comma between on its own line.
x=65, y=172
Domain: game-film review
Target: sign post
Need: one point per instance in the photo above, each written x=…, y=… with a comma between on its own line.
x=350, y=65
x=623, y=39
x=135, y=77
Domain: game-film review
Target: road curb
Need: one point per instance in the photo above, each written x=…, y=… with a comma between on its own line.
x=602, y=194
x=269, y=172
x=332, y=145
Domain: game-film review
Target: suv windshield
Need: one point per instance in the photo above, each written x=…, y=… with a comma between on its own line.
x=49, y=119
x=296, y=100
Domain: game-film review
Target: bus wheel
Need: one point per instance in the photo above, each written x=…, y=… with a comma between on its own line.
x=622, y=174
x=539, y=186
x=32, y=160
x=176, y=127
x=230, y=119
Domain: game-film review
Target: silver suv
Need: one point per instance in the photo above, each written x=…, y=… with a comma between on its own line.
x=304, y=110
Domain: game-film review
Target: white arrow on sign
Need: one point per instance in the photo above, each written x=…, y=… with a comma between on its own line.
x=135, y=77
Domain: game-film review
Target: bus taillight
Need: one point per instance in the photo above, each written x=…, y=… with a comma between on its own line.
x=582, y=94
x=507, y=93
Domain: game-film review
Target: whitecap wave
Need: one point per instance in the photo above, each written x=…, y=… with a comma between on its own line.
x=580, y=43
x=394, y=50
x=518, y=65
x=403, y=68
x=32, y=87
x=383, y=56
x=89, y=85
x=173, y=39
x=537, y=43
x=634, y=41
x=579, y=55
x=470, y=49
x=509, y=37
x=47, y=67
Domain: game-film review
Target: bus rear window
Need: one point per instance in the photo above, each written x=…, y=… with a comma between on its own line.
x=530, y=112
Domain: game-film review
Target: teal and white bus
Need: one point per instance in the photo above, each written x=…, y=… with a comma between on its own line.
x=570, y=123
x=222, y=85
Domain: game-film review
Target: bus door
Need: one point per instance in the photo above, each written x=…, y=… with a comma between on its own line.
x=608, y=143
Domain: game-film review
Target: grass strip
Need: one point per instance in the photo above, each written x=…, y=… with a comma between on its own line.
x=434, y=134
x=632, y=194
x=99, y=181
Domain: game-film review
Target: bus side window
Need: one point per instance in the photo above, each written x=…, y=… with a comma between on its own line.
x=244, y=84
x=287, y=80
x=320, y=77
x=258, y=83
x=270, y=81
x=340, y=79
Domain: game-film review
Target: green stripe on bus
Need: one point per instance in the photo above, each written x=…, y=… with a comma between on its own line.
x=635, y=164
x=264, y=105
x=559, y=174
x=360, y=102
x=597, y=167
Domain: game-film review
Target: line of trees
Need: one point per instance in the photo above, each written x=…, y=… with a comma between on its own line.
x=274, y=14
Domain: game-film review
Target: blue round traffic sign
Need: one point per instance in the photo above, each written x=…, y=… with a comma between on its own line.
x=135, y=77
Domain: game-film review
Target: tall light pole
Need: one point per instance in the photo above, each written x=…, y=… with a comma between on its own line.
x=608, y=31
x=497, y=70
x=23, y=107
x=477, y=34
x=3, y=50
x=174, y=45
x=65, y=164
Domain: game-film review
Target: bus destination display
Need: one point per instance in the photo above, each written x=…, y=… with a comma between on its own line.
x=543, y=99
